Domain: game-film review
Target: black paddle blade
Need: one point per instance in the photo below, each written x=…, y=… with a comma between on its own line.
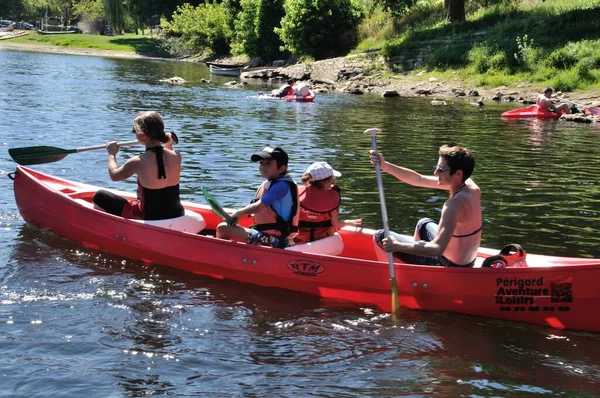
x=37, y=154
x=216, y=207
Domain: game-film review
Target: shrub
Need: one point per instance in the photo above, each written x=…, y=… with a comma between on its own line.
x=584, y=71
x=479, y=58
x=202, y=28
x=565, y=81
x=320, y=28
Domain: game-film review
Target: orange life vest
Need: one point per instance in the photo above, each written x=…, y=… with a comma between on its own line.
x=268, y=221
x=316, y=206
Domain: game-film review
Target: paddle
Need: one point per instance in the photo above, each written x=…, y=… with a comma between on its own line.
x=47, y=154
x=217, y=208
x=593, y=110
x=395, y=300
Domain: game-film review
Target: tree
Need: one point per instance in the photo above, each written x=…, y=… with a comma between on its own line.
x=255, y=28
x=456, y=10
x=320, y=28
x=113, y=9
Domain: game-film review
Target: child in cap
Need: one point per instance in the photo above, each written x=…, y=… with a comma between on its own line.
x=275, y=206
x=319, y=201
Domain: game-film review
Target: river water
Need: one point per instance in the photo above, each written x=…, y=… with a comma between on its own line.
x=76, y=322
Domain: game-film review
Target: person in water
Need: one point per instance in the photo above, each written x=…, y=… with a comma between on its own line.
x=274, y=208
x=287, y=89
x=158, y=170
x=544, y=101
x=455, y=240
x=319, y=199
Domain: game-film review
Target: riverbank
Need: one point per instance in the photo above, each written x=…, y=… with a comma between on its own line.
x=359, y=74
x=6, y=45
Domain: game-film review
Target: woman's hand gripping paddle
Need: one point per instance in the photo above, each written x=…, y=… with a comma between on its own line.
x=217, y=208
x=394, y=286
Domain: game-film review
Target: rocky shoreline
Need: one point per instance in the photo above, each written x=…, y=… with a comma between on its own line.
x=360, y=74
x=355, y=75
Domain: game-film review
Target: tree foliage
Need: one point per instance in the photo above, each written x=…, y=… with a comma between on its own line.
x=255, y=28
x=201, y=28
x=320, y=28
x=397, y=7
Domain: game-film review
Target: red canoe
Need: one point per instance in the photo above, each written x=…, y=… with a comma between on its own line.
x=595, y=110
x=558, y=292
x=532, y=111
x=309, y=97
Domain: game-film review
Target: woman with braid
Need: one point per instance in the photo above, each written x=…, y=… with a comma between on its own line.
x=157, y=170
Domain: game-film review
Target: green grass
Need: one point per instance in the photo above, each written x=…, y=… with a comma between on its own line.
x=551, y=42
x=132, y=43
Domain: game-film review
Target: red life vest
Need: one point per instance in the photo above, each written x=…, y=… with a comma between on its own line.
x=316, y=206
x=268, y=221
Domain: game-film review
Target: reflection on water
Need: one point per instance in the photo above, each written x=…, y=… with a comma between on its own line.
x=79, y=322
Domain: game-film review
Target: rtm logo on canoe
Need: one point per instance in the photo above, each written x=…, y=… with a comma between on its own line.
x=519, y=291
x=306, y=267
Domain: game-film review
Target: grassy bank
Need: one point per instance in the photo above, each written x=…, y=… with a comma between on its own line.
x=139, y=44
x=551, y=42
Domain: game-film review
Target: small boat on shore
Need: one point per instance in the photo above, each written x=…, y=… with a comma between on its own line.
x=557, y=292
x=225, y=70
x=5, y=35
x=57, y=32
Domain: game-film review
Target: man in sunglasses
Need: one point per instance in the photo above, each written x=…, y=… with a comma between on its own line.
x=454, y=241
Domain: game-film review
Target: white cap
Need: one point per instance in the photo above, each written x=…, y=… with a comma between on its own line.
x=322, y=170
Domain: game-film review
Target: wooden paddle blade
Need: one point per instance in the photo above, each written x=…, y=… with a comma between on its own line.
x=216, y=207
x=38, y=154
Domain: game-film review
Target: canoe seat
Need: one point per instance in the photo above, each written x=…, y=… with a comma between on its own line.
x=332, y=246
x=190, y=222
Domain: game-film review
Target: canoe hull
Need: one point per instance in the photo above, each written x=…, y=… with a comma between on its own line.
x=532, y=111
x=57, y=32
x=224, y=71
x=551, y=291
x=310, y=97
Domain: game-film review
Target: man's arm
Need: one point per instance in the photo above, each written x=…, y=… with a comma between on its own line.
x=405, y=175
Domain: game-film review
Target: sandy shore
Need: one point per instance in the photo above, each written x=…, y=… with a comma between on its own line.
x=409, y=85
x=68, y=50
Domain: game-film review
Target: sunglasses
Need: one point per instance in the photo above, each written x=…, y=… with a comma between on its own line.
x=439, y=168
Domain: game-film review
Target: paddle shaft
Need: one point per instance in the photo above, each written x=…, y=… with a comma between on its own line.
x=384, y=216
x=97, y=147
x=386, y=228
x=48, y=154
x=590, y=109
x=572, y=102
